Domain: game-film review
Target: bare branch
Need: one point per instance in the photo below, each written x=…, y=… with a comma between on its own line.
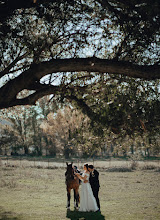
x=11, y=65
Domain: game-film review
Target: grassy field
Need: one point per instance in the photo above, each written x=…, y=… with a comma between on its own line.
x=31, y=193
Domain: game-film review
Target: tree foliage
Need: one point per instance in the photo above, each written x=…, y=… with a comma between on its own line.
x=69, y=130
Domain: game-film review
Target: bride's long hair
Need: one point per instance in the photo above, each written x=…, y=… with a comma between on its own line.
x=86, y=165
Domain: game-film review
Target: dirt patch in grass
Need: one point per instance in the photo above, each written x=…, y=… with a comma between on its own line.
x=119, y=169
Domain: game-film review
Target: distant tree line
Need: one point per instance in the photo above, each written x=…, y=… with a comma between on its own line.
x=63, y=130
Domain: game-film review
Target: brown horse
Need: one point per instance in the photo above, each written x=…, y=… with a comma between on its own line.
x=72, y=182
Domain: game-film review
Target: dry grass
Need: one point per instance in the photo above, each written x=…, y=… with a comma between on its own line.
x=31, y=193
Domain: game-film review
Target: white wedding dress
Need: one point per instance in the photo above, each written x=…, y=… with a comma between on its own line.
x=87, y=200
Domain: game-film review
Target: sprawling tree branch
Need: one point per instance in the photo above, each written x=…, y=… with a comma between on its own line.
x=94, y=64
x=30, y=78
x=31, y=99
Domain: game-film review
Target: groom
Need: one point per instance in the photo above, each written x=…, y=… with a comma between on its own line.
x=94, y=182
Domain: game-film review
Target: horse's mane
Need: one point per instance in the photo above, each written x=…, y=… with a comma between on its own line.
x=69, y=173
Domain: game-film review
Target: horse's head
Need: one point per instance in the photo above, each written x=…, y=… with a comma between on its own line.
x=69, y=172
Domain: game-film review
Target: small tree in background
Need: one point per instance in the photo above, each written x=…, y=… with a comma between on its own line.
x=69, y=130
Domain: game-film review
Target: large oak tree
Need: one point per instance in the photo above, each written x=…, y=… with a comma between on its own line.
x=75, y=49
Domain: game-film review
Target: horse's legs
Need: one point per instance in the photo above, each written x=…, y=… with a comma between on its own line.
x=76, y=198
x=68, y=198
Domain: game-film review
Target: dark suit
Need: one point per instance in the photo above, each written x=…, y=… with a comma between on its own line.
x=94, y=182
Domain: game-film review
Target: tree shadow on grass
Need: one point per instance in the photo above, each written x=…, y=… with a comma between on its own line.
x=76, y=215
x=8, y=215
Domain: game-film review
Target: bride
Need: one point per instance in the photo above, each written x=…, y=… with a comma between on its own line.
x=87, y=199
